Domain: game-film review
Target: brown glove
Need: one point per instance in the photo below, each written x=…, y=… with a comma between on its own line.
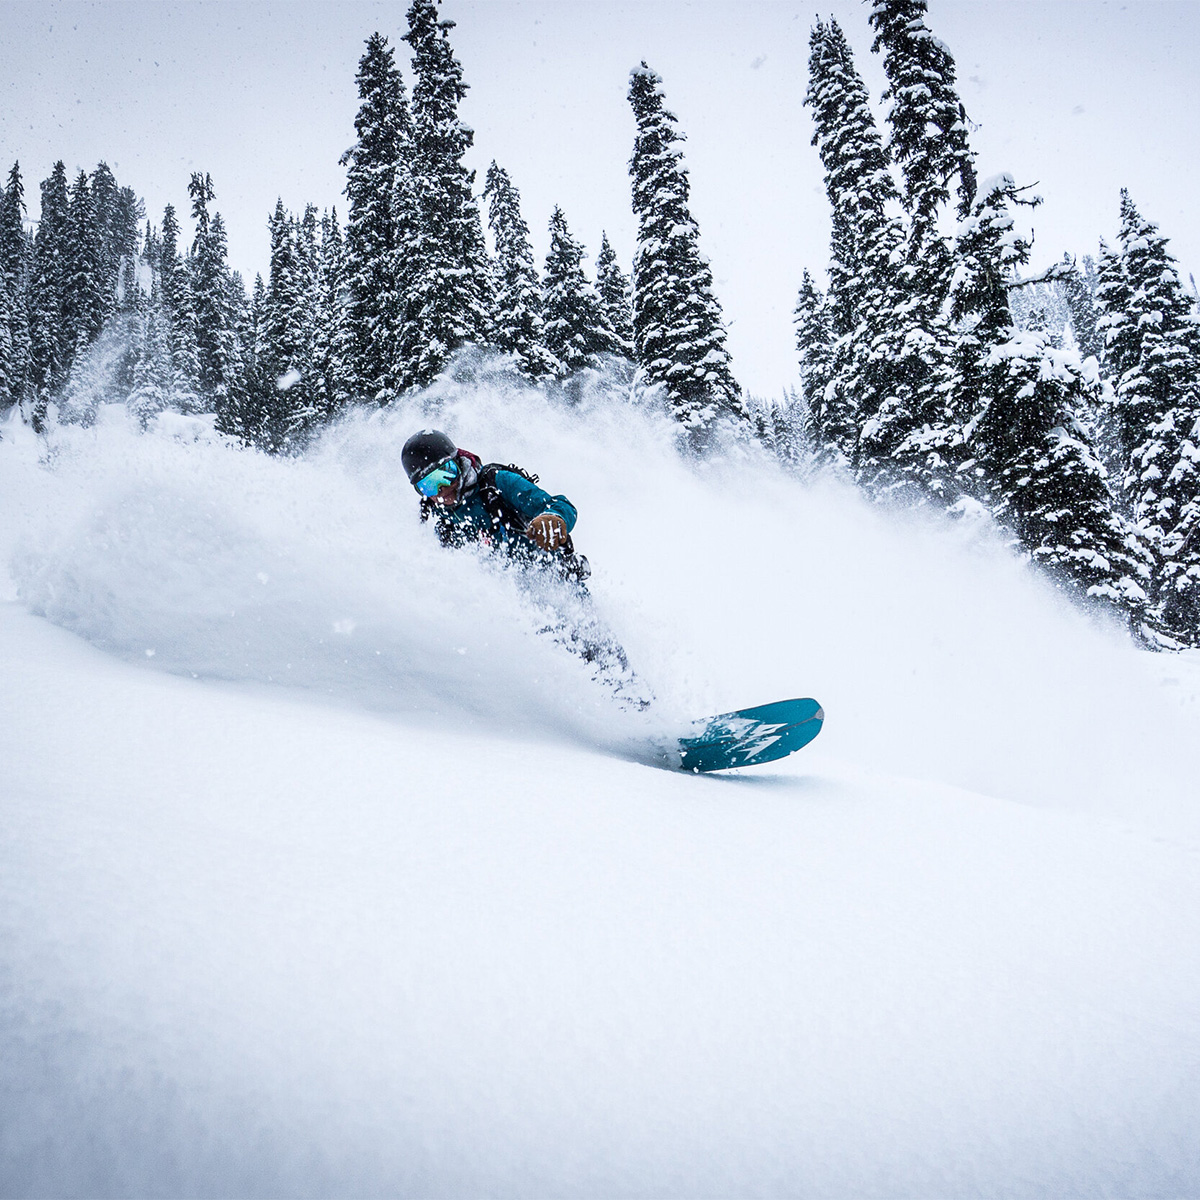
x=547, y=530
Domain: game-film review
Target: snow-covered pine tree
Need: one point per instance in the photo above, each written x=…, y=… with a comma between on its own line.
x=214, y=292
x=1081, y=306
x=153, y=368
x=126, y=219
x=249, y=421
x=613, y=288
x=913, y=437
x=451, y=294
x=678, y=329
x=575, y=326
x=50, y=354
x=929, y=131
x=517, y=326
x=1032, y=461
x=14, y=282
x=1157, y=409
x=376, y=254
x=1177, y=597
x=1118, y=335
x=332, y=345
x=85, y=302
x=833, y=423
x=7, y=305
x=1152, y=342
x=283, y=354
x=1076, y=318
x=175, y=292
x=105, y=191
x=781, y=426
x=865, y=238
x=308, y=267
x=793, y=429
x=168, y=264
x=887, y=399
x=305, y=406
x=117, y=214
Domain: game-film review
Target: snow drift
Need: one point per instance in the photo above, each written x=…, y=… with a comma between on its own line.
x=342, y=882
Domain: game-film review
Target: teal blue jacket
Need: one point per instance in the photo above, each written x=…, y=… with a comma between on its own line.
x=496, y=510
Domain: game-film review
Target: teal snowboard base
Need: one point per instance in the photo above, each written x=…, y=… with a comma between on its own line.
x=751, y=735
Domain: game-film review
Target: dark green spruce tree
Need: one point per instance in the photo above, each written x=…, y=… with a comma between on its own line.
x=175, y=292
x=814, y=341
x=50, y=350
x=518, y=328
x=868, y=406
x=575, y=326
x=1078, y=293
x=118, y=213
x=15, y=253
x=150, y=391
x=1031, y=458
x=929, y=130
x=451, y=293
x=612, y=286
x=332, y=342
x=1155, y=345
x=217, y=299
x=378, y=253
x=86, y=303
x=283, y=360
x=914, y=437
x=678, y=328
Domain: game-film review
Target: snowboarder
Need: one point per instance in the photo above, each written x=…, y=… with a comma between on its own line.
x=503, y=507
x=500, y=506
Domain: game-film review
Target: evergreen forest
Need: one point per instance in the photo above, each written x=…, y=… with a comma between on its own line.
x=934, y=371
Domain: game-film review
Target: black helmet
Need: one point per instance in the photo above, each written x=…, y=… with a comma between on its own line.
x=424, y=450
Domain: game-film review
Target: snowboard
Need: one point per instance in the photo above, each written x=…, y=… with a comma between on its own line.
x=750, y=736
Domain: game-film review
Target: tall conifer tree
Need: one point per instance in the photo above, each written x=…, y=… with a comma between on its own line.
x=1155, y=343
x=887, y=397
x=85, y=300
x=176, y=297
x=679, y=334
x=1081, y=306
x=378, y=250
x=612, y=286
x=332, y=345
x=1036, y=466
x=518, y=328
x=282, y=360
x=575, y=328
x=929, y=129
x=14, y=281
x=50, y=354
x=214, y=293
x=153, y=369
x=451, y=299
x=112, y=238
x=831, y=419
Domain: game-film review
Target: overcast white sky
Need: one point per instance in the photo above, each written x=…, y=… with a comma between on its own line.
x=1082, y=97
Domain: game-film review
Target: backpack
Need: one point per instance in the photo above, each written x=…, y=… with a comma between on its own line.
x=498, y=508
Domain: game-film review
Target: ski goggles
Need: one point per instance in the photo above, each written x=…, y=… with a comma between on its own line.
x=440, y=476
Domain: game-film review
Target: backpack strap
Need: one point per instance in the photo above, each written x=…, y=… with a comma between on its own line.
x=499, y=508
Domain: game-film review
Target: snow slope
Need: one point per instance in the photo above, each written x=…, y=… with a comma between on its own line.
x=324, y=874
